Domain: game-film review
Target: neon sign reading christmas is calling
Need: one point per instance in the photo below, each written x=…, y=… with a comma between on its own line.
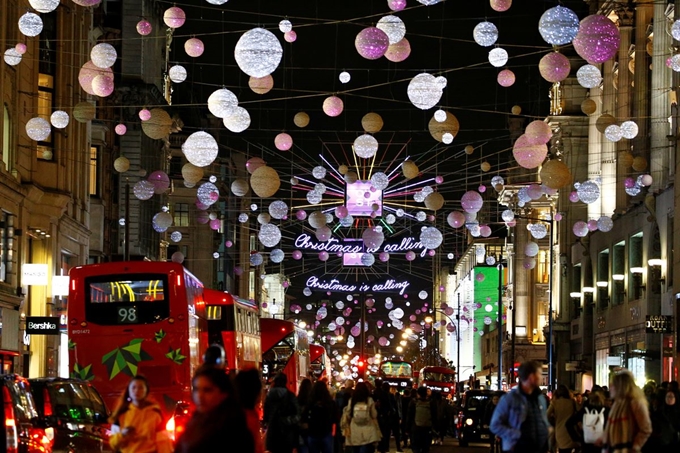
x=344, y=287
x=333, y=245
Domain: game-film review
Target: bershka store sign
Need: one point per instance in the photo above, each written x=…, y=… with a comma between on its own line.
x=42, y=325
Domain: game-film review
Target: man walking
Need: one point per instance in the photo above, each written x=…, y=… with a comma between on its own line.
x=520, y=418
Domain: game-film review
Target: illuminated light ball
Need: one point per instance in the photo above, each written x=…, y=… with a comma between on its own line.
x=580, y=229
x=263, y=218
x=215, y=224
x=202, y=218
x=317, y=219
x=588, y=106
x=393, y=27
x=174, y=17
x=87, y=74
x=598, y=39
x=485, y=166
x=410, y=169
x=507, y=215
x=145, y=115
x=221, y=102
x=498, y=57
x=301, y=119
x=194, y=47
x=21, y=48
x=200, y=149
x=534, y=191
x=256, y=259
x=59, y=119
x=269, y=235
x=558, y=216
x=365, y=146
x=162, y=221
x=481, y=188
x=398, y=52
x=103, y=55
x=371, y=43
x=440, y=129
x=469, y=149
x=674, y=63
x=558, y=26
x=528, y=264
x=278, y=209
x=102, y=85
x=439, y=179
x=500, y=5
x=44, y=6
x=177, y=73
x=30, y=24
x=290, y=36
x=425, y=90
x=177, y=257
x=613, y=133
x=344, y=77
x=629, y=129
x=646, y=180
x=265, y=181
x=592, y=225
x=228, y=244
x=529, y=155
x=341, y=212
x=285, y=26
x=639, y=163
x=12, y=57
x=384, y=257
x=238, y=120
x=605, y=224
x=485, y=231
x=485, y=34
x=471, y=201
x=440, y=116
x=367, y=259
x=254, y=163
x=396, y=5
x=431, y=238
x=84, y=112
x=283, y=142
x=604, y=121
x=258, y=52
x=323, y=234
x=192, y=174
x=531, y=249
x=538, y=132
x=323, y=256
x=554, y=67
x=144, y=27
x=455, y=219
x=301, y=214
x=480, y=277
x=333, y=106
x=410, y=255
x=261, y=85
x=296, y=254
x=447, y=138
x=38, y=129
x=87, y=2
x=121, y=164
x=434, y=201
x=573, y=197
x=506, y=78
x=372, y=122
x=589, y=76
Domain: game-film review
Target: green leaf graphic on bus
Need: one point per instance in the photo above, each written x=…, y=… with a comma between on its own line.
x=176, y=356
x=125, y=359
x=82, y=373
x=71, y=344
x=159, y=335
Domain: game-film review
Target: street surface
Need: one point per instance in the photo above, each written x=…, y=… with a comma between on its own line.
x=450, y=446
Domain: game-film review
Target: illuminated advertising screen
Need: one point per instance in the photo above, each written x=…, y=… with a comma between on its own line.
x=353, y=259
x=360, y=196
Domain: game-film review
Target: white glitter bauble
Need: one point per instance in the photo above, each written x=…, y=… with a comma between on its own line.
x=508, y=215
x=208, y=193
x=613, y=133
x=588, y=192
x=243, y=217
x=285, y=26
x=421, y=216
x=605, y=224
x=447, y=138
x=422, y=295
x=440, y=116
x=12, y=57
x=531, y=249
x=629, y=129
x=589, y=76
x=319, y=172
x=217, y=2
x=258, y=52
x=30, y=24
x=379, y=180
x=256, y=259
x=103, y=55
x=278, y=209
x=344, y=77
x=176, y=236
x=200, y=149
x=425, y=90
x=44, y=6
x=431, y=238
x=143, y=190
x=498, y=57
x=390, y=219
x=675, y=30
x=485, y=34
x=314, y=197
x=365, y=146
x=59, y=119
x=38, y=129
x=367, y=259
x=490, y=260
x=269, y=235
x=276, y=256
x=393, y=27
x=537, y=230
x=162, y=221
x=238, y=120
x=675, y=63
x=222, y=102
x=177, y=73
x=558, y=26
x=320, y=188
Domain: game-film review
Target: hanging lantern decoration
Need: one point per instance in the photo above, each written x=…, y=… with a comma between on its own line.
x=283, y=142
x=372, y=122
x=194, y=47
x=59, y=119
x=558, y=26
x=365, y=146
x=425, y=90
x=373, y=238
x=290, y=36
x=639, y=163
x=554, y=67
x=301, y=119
x=84, y=112
x=143, y=190
x=200, y=149
x=174, y=17
x=506, y=78
x=177, y=73
x=629, y=129
x=471, y=201
x=580, y=229
x=500, y=5
x=30, y=24
x=333, y=106
x=409, y=169
x=44, y=6
x=191, y=173
x=238, y=120
x=258, y=52
x=538, y=132
x=588, y=106
x=221, y=102
x=393, y=27
x=613, y=133
x=158, y=125
x=144, y=27
x=589, y=76
x=120, y=129
x=103, y=55
x=160, y=181
x=265, y=181
x=12, y=57
x=240, y=187
x=261, y=85
x=88, y=73
x=604, y=121
x=450, y=125
x=254, y=163
x=87, y=2
x=269, y=235
x=121, y=164
x=38, y=129
x=398, y=52
x=371, y=43
x=431, y=238
x=529, y=155
x=555, y=174
x=598, y=39
x=498, y=57
x=102, y=85
x=485, y=34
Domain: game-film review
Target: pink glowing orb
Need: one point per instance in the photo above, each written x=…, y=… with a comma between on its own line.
x=301, y=214
x=228, y=244
x=102, y=85
x=333, y=106
x=430, y=218
x=580, y=229
x=283, y=142
x=558, y=217
x=529, y=155
x=160, y=181
x=144, y=27
x=573, y=197
x=592, y=225
x=506, y=78
x=480, y=277
x=399, y=51
x=410, y=255
x=442, y=288
x=144, y=115
x=202, y=217
x=341, y=212
x=501, y=5
x=538, y=132
x=554, y=67
x=174, y=17
x=481, y=188
x=194, y=47
x=238, y=270
x=296, y=254
x=629, y=183
x=456, y=219
x=290, y=36
x=285, y=284
x=372, y=43
x=431, y=252
x=120, y=129
x=396, y=5
x=254, y=163
x=439, y=179
x=20, y=48
x=485, y=231
x=215, y=224
x=88, y=73
x=384, y=257
x=598, y=39
x=471, y=201
x=323, y=256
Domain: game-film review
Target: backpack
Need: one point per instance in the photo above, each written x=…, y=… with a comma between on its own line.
x=593, y=425
x=423, y=416
x=361, y=414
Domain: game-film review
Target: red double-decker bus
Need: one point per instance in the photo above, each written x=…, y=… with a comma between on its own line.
x=319, y=362
x=234, y=324
x=438, y=378
x=285, y=350
x=140, y=317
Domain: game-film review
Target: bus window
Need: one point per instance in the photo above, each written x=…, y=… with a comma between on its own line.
x=119, y=300
x=214, y=312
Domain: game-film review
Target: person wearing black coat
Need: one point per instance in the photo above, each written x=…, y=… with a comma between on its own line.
x=421, y=435
x=665, y=418
x=281, y=417
x=574, y=424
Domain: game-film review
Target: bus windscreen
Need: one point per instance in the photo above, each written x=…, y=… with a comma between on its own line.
x=126, y=299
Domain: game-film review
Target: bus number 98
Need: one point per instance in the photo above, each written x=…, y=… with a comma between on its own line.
x=127, y=315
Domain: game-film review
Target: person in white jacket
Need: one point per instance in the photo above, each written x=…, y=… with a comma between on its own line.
x=359, y=421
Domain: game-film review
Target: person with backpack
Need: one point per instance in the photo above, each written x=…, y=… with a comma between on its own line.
x=319, y=417
x=587, y=425
x=341, y=400
x=406, y=399
x=561, y=408
x=423, y=416
x=359, y=421
x=281, y=417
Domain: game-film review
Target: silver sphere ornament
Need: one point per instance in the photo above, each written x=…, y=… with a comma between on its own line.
x=629, y=129
x=344, y=77
x=431, y=238
x=425, y=90
x=222, y=102
x=558, y=26
x=367, y=259
x=258, y=52
x=12, y=56
x=380, y=181
x=613, y=133
x=44, y=6
x=38, y=129
x=589, y=76
x=238, y=120
x=498, y=57
x=365, y=146
x=393, y=27
x=200, y=149
x=103, y=55
x=176, y=236
x=485, y=34
x=588, y=192
x=285, y=26
x=276, y=256
x=177, y=73
x=269, y=235
x=30, y=24
x=59, y=119
x=319, y=172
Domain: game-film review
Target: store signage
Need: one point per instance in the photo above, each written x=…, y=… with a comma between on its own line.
x=42, y=325
x=334, y=245
x=659, y=324
x=336, y=285
x=614, y=360
x=60, y=285
x=34, y=274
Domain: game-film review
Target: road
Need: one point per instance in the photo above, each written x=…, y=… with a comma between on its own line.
x=450, y=446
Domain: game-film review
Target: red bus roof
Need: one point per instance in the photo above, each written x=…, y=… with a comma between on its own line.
x=272, y=331
x=437, y=369
x=215, y=297
x=316, y=351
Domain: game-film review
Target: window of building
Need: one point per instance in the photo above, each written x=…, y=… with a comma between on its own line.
x=575, y=287
x=669, y=251
x=176, y=163
x=181, y=214
x=6, y=245
x=601, y=367
x=543, y=267
x=602, y=282
x=635, y=267
x=95, y=156
x=45, y=108
x=7, y=155
x=618, y=272
x=251, y=285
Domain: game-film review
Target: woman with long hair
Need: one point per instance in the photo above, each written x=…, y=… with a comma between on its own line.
x=304, y=391
x=562, y=407
x=319, y=417
x=629, y=425
x=137, y=422
x=594, y=405
x=218, y=420
x=360, y=421
x=249, y=386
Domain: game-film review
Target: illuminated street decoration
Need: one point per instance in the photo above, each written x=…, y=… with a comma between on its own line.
x=337, y=285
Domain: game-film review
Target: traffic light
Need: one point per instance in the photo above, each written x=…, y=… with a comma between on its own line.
x=361, y=369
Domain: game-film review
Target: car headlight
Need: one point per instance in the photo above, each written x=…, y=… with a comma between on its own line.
x=469, y=422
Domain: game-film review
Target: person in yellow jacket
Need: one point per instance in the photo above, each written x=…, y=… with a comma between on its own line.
x=137, y=423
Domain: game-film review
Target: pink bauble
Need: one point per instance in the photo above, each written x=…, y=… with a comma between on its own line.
x=629, y=183
x=399, y=51
x=283, y=141
x=202, y=217
x=290, y=36
x=592, y=225
x=238, y=270
x=554, y=67
x=480, y=277
x=215, y=224
x=20, y=48
x=194, y=47
x=431, y=252
x=506, y=78
x=410, y=255
x=439, y=179
x=102, y=85
x=580, y=229
x=228, y=244
x=396, y=5
x=372, y=43
x=341, y=212
x=456, y=219
x=144, y=115
x=384, y=257
x=598, y=39
x=88, y=73
x=296, y=254
x=573, y=197
x=174, y=17
x=323, y=256
x=647, y=180
x=301, y=214
x=160, y=181
x=529, y=155
x=501, y=5
x=333, y=106
x=558, y=217
x=485, y=231
x=481, y=188
x=144, y=27
x=538, y=132
x=471, y=201
x=120, y=129
x=254, y=163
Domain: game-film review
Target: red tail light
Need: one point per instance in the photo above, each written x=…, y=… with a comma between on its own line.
x=47, y=403
x=10, y=423
x=39, y=436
